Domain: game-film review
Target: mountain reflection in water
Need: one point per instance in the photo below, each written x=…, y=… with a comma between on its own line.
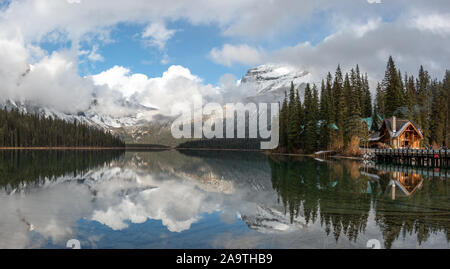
x=203, y=199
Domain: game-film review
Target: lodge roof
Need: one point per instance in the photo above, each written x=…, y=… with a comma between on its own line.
x=401, y=125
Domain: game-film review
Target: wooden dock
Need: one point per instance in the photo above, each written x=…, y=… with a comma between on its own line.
x=417, y=157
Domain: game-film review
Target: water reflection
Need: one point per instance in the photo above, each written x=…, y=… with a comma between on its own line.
x=341, y=196
x=419, y=205
x=21, y=168
x=200, y=199
x=333, y=194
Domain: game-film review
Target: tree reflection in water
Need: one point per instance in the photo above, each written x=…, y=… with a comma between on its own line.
x=342, y=194
x=20, y=168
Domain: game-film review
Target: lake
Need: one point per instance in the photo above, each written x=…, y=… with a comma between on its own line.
x=216, y=199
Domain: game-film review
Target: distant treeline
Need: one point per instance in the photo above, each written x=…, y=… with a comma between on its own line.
x=333, y=120
x=18, y=129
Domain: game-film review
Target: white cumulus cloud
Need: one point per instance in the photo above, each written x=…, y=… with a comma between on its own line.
x=176, y=86
x=156, y=34
x=242, y=54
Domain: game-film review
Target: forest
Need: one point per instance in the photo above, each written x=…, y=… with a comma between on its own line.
x=333, y=119
x=18, y=129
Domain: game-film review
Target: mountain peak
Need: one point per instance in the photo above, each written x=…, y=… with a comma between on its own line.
x=268, y=82
x=274, y=77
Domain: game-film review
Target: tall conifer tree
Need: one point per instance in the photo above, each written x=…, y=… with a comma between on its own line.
x=392, y=90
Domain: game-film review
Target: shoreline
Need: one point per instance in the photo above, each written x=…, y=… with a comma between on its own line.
x=312, y=155
x=293, y=154
x=347, y=157
x=61, y=148
x=180, y=149
x=318, y=156
x=217, y=149
x=266, y=152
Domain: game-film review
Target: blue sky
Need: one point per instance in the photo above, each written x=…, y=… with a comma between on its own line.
x=191, y=44
x=189, y=47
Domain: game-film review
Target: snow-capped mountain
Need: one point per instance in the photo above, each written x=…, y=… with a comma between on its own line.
x=268, y=82
x=271, y=77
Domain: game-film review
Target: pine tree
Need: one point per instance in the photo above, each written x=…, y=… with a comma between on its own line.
x=359, y=89
x=324, y=118
x=293, y=120
x=438, y=115
x=410, y=96
x=307, y=100
x=299, y=119
x=446, y=92
x=355, y=121
x=311, y=118
x=401, y=88
x=331, y=116
x=315, y=104
x=392, y=89
x=351, y=90
x=380, y=107
x=423, y=102
x=323, y=101
x=348, y=91
x=283, y=123
x=340, y=108
x=367, y=98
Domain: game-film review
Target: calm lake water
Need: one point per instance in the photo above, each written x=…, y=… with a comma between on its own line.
x=203, y=199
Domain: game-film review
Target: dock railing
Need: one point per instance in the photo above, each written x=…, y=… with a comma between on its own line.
x=429, y=157
x=417, y=152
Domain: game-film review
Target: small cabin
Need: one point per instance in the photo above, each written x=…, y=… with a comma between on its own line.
x=398, y=133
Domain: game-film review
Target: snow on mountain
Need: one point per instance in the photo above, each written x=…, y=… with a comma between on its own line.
x=268, y=82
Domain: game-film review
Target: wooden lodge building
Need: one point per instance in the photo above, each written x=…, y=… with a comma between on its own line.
x=398, y=134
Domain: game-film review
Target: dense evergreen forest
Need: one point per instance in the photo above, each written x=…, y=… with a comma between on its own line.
x=18, y=129
x=333, y=119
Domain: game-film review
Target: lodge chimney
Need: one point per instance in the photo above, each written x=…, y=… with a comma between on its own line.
x=394, y=124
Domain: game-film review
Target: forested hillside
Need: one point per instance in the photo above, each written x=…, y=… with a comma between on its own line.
x=333, y=120
x=18, y=129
